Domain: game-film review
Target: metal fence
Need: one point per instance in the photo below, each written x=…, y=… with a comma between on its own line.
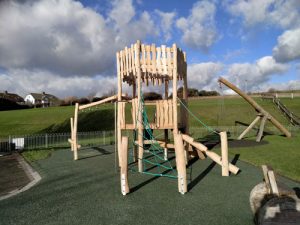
x=98, y=138
x=54, y=140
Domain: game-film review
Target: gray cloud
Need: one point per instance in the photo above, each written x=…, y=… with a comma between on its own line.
x=288, y=46
x=199, y=27
x=65, y=37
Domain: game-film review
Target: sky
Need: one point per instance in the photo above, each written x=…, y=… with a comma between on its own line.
x=67, y=47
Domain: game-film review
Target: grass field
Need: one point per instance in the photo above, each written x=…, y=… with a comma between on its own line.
x=88, y=192
x=214, y=112
x=283, y=154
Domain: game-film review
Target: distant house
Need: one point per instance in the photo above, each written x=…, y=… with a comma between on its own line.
x=12, y=97
x=41, y=99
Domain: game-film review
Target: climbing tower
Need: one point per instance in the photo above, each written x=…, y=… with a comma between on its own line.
x=144, y=65
x=151, y=65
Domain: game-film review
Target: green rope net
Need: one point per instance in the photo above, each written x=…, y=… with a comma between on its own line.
x=153, y=159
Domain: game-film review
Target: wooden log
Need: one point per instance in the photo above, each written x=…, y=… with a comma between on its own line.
x=169, y=60
x=124, y=166
x=126, y=62
x=249, y=128
x=224, y=150
x=266, y=178
x=140, y=112
x=75, y=142
x=273, y=183
x=153, y=51
x=166, y=144
x=214, y=156
x=175, y=119
x=72, y=133
x=180, y=163
x=111, y=98
x=261, y=129
x=256, y=106
x=119, y=131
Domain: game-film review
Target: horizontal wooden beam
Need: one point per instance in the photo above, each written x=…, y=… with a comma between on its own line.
x=111, y=98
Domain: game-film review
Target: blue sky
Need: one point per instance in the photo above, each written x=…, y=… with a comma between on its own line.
x=68, y=47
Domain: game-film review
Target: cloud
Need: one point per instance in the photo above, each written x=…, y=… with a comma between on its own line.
x=199, y=27
x=24, y=81
x=66, y=38
x=167, y=20
x=136, y=30
x=289, y=85
x=202, y=75
x=282, y=13
x=288, y=46
x=122, y=12
x=254, y=74
x=60, y=36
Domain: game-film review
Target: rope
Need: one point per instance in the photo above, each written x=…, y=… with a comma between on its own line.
x=197, y=119
x=155, y=149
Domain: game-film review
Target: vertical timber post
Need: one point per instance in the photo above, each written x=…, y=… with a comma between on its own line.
x=75, y=131
x=185, y=116
x=166, y=130
x=175, y=117
x=135, y=150
x=72, y=133
x=224, y=150
x=124, y=166
x=119, y=131
x=180, y=163
x=140, y=106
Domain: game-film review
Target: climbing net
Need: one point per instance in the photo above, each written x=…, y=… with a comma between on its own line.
x=154, y=162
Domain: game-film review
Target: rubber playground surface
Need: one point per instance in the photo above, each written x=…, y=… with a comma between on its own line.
x=88, y=192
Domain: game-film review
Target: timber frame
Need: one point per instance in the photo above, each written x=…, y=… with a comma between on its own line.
x=262, y=114
x=160, y=66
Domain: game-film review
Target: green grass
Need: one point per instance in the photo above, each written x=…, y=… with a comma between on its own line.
x=30, y=121
x=88, y=192
x=281, y=153
x=35, y=155
x=57, y=119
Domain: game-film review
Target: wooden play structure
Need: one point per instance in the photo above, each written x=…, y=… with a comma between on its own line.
x=262, y=114
x=140, y=65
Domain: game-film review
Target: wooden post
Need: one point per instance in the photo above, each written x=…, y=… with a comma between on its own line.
x=249, y=128
x=175, y=118
x=119, y=131
x=140, y=106
x=184, y=116
x=273, y=183
x=261, y=129
x=180, y=163
x=165, y=117
x=72, y=133
x=124, y=166
x=116, y=160
x=135, y=149
x=75, y=143
x=224, y=150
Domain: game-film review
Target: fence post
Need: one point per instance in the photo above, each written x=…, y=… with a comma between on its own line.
x=9, y=143
x=46, y=140
x=104, y=137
